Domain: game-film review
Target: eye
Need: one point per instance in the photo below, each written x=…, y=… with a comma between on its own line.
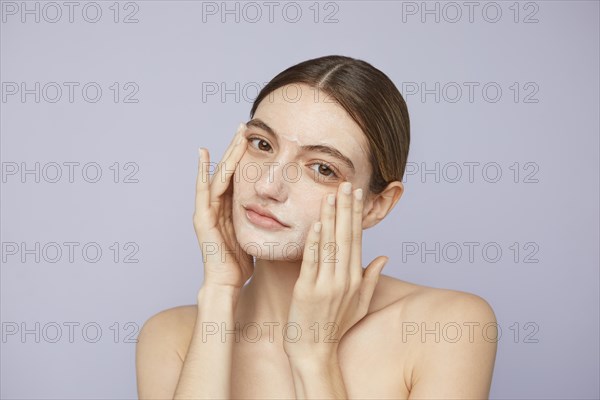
x=260, y=141
x=325, y=170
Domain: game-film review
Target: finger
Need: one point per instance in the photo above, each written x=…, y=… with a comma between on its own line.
x=240, y=129
x=343, y=230
x=202, y=181
x=369, y=282
x=327, y=245
x=221, y=180
x=310, y=259
x=356, y=253
x=230, y=148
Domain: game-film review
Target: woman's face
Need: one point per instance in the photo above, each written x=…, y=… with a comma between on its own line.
x=292, y=139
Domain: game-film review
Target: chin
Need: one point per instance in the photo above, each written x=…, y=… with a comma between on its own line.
x=269, y=246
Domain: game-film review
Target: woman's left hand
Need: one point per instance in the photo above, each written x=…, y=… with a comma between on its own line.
x=333, y=292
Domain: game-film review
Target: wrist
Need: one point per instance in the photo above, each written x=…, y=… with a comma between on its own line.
x=209, y=294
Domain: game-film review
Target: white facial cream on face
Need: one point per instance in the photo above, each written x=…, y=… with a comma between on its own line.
x=286, y=188
x=292, y=186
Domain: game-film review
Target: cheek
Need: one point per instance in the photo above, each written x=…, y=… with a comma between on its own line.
x=247, y=172
x=308, y=209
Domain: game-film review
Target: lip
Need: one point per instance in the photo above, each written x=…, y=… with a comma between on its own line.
x=263, y=217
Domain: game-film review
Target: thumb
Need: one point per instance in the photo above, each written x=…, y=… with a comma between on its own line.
x=370, y=278
x=373, y=271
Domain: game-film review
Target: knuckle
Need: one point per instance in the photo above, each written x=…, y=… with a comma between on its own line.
x=318, y=294
x=342, y=286
x=347, y=240
x=354, y=284
x=345, y=205
x=347, y=287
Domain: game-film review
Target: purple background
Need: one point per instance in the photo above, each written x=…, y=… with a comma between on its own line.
x=551, y=212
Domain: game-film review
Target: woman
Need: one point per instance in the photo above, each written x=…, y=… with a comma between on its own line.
x=286, y=309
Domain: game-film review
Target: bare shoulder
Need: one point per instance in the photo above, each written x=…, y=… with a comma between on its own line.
x=179, y=314
x=159, y=357
x=171, y=327
x=421, y=316
x=439, y=336
x=426, y=302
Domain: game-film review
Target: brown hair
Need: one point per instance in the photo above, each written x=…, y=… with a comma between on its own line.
x=369, y=97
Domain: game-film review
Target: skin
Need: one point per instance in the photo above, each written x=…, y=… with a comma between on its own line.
x=375, y=352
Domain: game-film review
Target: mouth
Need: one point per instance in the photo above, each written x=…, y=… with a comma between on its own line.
x=261, y=217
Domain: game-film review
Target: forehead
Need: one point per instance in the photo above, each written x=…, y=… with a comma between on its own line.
x=306, y=116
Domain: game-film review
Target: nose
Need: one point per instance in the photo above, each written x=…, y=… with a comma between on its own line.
x=271, y=184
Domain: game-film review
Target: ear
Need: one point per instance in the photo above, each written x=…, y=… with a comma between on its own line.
x=380, y=205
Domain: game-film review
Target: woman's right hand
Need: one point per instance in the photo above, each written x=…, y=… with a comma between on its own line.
x=225, y=263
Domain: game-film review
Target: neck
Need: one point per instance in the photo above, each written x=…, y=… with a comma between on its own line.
x=268, y=294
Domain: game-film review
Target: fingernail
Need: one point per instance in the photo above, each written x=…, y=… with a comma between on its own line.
x=346, y=187
x=200, y=152
x=331, y=199
x=385, y=263
x=317, y=227
x=358, y=193
x=240, y=127
x=239, y=141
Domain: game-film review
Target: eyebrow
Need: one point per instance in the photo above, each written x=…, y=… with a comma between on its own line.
x=319, y=148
